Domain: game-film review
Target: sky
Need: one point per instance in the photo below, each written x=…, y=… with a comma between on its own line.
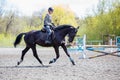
x=28, y=7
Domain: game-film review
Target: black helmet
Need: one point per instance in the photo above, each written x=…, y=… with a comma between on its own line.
x=50, y=9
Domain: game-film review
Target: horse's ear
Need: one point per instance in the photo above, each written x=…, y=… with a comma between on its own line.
x=78, y=27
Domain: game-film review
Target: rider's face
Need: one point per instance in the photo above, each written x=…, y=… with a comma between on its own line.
x=50, y=12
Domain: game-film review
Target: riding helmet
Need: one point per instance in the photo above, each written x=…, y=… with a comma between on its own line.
x=50, y=9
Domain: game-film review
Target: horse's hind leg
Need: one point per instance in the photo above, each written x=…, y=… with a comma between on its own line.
x=23, y=54
x=35, y=54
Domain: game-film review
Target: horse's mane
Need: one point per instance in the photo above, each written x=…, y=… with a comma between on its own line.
x=62, y=27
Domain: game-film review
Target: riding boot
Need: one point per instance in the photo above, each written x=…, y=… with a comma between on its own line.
x=48, y=40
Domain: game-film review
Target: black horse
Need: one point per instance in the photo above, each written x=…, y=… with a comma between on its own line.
x=38, y=37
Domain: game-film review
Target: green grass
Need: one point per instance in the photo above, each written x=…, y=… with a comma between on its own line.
x=8, y=40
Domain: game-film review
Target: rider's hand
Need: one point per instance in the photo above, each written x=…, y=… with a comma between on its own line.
x=50, y=24
x=53, y=24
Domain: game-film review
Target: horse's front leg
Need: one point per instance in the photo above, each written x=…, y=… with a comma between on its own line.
x=57, y=55
x=65, y=49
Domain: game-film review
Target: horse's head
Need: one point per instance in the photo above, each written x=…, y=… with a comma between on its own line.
x=72, y=33
x=67, y=30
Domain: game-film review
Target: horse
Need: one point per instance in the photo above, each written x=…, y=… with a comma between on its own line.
x=38, y=37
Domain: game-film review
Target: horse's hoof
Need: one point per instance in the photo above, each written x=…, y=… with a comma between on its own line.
x=18, y=63
x=42, y=65
x=50, y=62
x=73, y=63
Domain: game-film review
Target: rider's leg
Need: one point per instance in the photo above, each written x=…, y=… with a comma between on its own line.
x=49, y=33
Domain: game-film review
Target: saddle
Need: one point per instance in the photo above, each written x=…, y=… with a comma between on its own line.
x=51, y=37
x=44, y=30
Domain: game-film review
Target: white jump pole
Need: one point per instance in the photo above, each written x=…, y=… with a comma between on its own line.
x=84, y=48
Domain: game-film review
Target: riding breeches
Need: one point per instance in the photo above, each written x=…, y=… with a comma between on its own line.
x=48, y=30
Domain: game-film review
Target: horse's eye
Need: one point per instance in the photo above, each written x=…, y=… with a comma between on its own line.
x=75, y=30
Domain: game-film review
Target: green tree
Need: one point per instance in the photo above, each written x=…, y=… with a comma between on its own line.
x=105, y=20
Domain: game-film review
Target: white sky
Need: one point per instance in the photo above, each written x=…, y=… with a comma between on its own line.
x=27, y=7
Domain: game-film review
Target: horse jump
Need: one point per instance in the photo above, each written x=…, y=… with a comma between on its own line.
x=82, y=47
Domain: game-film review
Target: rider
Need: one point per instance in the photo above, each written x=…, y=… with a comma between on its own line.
x=48, y=23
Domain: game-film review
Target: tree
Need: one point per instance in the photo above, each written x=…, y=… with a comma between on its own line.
x=104, y=22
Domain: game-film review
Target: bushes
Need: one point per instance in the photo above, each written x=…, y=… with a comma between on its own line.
x=6, y=40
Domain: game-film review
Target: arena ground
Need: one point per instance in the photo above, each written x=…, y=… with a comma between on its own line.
x=100, y=68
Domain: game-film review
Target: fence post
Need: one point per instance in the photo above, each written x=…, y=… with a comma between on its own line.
x=110, y=42
x=118, y=44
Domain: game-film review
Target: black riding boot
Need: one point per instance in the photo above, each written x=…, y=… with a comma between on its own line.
x=48, y=40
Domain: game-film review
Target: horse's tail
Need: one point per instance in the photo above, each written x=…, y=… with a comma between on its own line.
x=18, y=39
